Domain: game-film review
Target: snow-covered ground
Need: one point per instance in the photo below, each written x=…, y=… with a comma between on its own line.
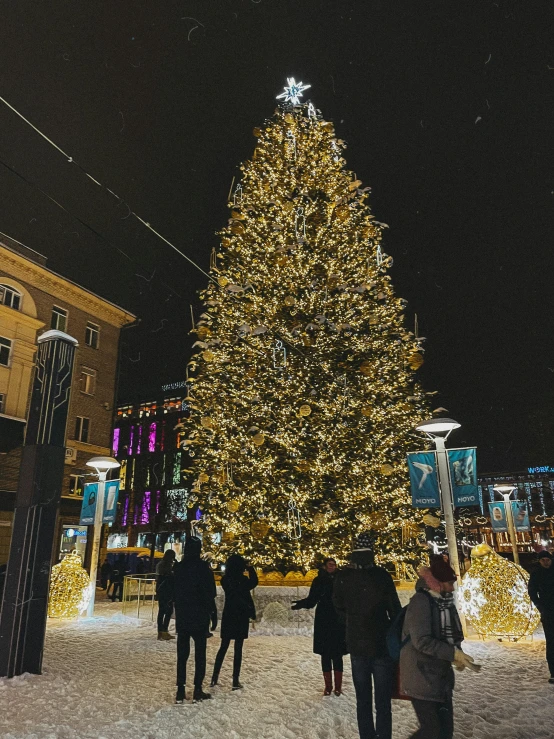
x=109, y=678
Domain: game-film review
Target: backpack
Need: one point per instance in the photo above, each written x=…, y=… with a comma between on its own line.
x=394, y=639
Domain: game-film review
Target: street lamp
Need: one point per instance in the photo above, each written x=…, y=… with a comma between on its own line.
x=439, y=429
x=101, y=465
x=506, y=491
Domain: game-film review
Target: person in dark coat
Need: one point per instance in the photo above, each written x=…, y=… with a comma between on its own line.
x=541, y=592
x=432, y=637
x=165, y=587
x=105, y=574
x=329, y=632
x=366, y=597
x=194, y=600
x=119, y=571
x=237, y=612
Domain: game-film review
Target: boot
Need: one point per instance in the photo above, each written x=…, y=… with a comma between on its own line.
x=338, y=682
x=214, y=680
x=164, y=636
x=199, y=695
x=328, y=683
x=237, y=685
x=180, y=697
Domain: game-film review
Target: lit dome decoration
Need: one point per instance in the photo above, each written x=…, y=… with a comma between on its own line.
x=493, y=596
x=70, y=588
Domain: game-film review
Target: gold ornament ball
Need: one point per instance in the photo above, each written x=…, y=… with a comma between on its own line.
x=258, y=439
x=415, y=360
x=259, y=529
x=233, y=505
x=203, y=477
x=222, y=281
x=430, y=520
x=493, y=596
x=290, y=300
x=319, y=519
x=206, y=422
x=386, y=469
x=377, y=520
x=304, y=410
x=366, y=411
x=70, y=588
x=208, y=355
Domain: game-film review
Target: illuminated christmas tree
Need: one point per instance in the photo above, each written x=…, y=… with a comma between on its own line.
x=303, y=398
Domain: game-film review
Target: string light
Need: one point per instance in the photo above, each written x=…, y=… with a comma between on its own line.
x=304, y=377
x=70, y=588
x=493, y=596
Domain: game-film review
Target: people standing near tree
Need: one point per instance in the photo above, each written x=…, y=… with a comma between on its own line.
x=105, y=574
x=119, y=571
x=194, y=608
x=165, y=587
x=366, y=597
x=541, y=592
x=237, y=612
x=431, y=638
x=329, y=631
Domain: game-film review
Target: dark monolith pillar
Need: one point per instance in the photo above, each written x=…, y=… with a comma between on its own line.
x=24, y=606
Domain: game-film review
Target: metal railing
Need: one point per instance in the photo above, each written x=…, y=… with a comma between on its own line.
x=139, y=592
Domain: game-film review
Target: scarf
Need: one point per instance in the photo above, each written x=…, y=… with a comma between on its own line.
x=451, y=628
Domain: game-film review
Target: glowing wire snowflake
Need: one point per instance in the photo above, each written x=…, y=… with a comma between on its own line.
x=293, y=92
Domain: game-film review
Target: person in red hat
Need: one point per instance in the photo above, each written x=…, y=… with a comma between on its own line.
x=432, y=637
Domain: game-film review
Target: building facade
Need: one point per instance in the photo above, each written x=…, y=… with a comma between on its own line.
x=34, y=299
x=156, y=499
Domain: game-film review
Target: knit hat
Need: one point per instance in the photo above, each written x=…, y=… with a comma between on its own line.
x=365, y=541
x=193, y=546
x=544, y=555
x=441, y=570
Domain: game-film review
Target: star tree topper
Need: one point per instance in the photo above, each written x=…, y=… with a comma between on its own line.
x=293, y=92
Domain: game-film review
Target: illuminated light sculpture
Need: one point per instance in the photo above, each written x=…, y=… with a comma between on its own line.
x=293, y=91
x=493, y=596
x=70, y=588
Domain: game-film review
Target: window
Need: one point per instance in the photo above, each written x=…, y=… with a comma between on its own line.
x=1, y=403
x=88, y=381
x=82, y=427
x=76, y=483
x=5, y=351
x=10, y=296
x=92, y=333
x=59, y=319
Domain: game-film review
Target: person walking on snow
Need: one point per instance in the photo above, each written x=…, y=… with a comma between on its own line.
x=431, y=638
x=194, y=608
x=541, y=592
x=237, y=612
x=165, y=587
x=119, y=571
x=329, y=632
x=366, y=596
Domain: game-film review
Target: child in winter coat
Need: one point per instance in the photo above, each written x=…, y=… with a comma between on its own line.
x=434, y=635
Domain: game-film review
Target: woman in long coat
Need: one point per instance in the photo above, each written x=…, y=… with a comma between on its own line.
x=329, y=632
x=237, y=612
x=165, y=588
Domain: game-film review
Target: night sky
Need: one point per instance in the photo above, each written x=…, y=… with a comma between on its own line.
x=446, y=109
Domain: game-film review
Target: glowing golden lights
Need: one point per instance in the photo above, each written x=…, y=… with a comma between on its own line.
x=70, y=588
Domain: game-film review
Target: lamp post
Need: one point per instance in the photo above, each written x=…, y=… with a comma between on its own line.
x=506, y=491
x=101, y=465
x=439, y=430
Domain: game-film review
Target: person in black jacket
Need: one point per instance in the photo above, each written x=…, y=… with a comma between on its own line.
x=194, y=608
x=541, y=592
x=366, y=597
x=165, y=582
x=237, y=612
x=329, y=634
x=105, y=574
x=119, y=571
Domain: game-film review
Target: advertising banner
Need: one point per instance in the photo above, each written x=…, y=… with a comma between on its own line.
x=88, y=508
x=423, y=479
x=463, y=474
x=90, y=496
x=520, y=512
x=110, y=501
x=497, y=513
